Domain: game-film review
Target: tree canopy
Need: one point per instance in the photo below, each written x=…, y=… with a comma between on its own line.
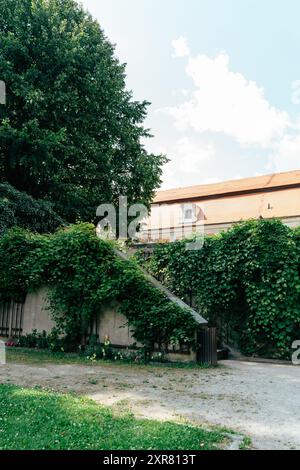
x=70, y=132
x=18, y=209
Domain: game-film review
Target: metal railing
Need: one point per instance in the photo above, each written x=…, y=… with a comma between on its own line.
x=11, y=319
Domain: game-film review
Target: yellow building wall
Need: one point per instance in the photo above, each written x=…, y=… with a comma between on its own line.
x=227, y=210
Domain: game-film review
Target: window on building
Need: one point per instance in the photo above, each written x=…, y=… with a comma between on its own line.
x=188, y=213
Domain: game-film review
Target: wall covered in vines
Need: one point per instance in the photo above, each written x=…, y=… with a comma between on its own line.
x=245, y=280
x=83, y=274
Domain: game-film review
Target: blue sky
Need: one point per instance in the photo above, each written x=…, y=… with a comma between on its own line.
x=223, y=77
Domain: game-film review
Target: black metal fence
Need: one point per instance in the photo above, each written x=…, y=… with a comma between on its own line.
x=11, y=319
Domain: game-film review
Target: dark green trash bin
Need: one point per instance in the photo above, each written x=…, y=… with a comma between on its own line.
x=207, y=346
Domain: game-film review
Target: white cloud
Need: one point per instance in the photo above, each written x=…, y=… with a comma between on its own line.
x=226, y=127
x=188, y=158
x=287, y=155
x=180, y=47
x=226, y=102
x=211, y=180
x=190, y=154
x=181, y=92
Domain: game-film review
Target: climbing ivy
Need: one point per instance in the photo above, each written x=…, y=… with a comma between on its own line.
x=84, y=274
x=246, y=281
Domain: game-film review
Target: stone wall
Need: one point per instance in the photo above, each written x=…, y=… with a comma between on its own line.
x=109, y=322
x=35, y=313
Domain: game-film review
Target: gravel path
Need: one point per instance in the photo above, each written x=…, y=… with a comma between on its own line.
x=260, y=400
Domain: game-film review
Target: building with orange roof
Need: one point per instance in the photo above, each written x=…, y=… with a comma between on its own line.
x=211, y=208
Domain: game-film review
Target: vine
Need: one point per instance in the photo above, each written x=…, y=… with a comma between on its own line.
x=245, y=281
x=83, y=273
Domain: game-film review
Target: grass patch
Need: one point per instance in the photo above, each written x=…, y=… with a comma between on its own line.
x=34, y=356
x=41, y=419
x=38, y=356
x=246, y=444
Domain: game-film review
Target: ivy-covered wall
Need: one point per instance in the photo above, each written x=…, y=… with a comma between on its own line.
x=246, y=281
x=82, y=274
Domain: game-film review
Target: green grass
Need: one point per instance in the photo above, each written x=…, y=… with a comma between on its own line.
x=41, y=419
x=246, y=444
x=34, y=356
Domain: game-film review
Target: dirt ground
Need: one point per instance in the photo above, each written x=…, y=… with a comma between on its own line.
x=259, y=400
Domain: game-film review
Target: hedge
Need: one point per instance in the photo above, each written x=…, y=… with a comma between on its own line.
x=83, y=274
x=246, y=281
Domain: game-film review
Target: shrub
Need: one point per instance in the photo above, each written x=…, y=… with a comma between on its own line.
x=34, y=340
x=93, y=349
x=246, y=281
x=83, y=273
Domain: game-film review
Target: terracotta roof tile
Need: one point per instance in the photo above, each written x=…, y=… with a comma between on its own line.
x=258, y=183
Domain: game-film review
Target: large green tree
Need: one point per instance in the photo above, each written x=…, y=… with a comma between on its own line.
x=70, y=132
x=18, y=209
